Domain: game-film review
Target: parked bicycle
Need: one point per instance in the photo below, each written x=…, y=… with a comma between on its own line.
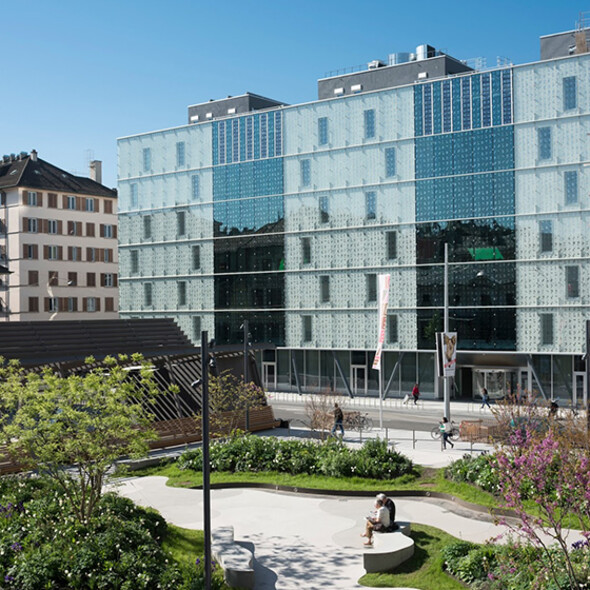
x=436, y=433
x=357, y=421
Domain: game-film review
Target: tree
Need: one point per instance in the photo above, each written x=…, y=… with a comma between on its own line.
x=229, y=399
x=74, y=428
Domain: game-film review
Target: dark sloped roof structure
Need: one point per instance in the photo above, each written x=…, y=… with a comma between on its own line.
x=35, y=173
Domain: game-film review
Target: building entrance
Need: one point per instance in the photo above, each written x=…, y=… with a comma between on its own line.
x=498, y=382
x=580, y=396
x=359, y=379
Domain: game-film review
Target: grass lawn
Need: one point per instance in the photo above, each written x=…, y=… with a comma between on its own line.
x=185, y=545
x=425, y=569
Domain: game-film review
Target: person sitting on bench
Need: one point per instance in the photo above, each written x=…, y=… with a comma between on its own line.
x=378, y=521
x=390, y=505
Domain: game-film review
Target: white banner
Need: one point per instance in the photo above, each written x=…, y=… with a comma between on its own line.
x=383, y=286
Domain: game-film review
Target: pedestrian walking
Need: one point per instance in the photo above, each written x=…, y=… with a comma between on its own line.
x=416, y=393
x=485, y=398
x=445, y=432
x=338, y=420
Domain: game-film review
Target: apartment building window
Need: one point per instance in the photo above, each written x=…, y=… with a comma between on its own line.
x=195, y=186
x=107, y=279
x=305, y=172
x=109, y=304
x=91, y=304
x=196, y=328
x=90, y=205
x=107, y=230
x=134, y=261
x=32, y=199
x=324, y=288
x=196, y=257
x=546, y=328
x=371, y=288
x=307, y=332
x=90, y=254
x=52, y=200
x=108, y=206
x=181, y=286
x=147, y=227
x=371, y=205
x=72, y=279
x=52, y=253
x=369, y=123
x=52, y=304
x=569, y=93
x=147, y=159
x=147, y=294
x=306, y=250
x=324, y=209
x=53, y=278
x=572, y=274
x=180, y=153
x=134, y=196
x=390, y=168
x=90, y=279
x=33, y=304
x=391, y=241
x=392, y=328
x=546, y=232
x=30, y=251
x=52, y=226
x=180, y=223
x=74, y=253
x=570, y=181
x=32, y=225
x=33, y=277
x=107, y=255
x=71, y=203
x=544, y=142
x=72, y=304
x=323, y=130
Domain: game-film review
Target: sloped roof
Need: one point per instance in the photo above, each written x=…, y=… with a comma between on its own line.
x=39, y=174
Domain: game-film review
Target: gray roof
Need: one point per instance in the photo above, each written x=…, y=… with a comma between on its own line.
x=38, y=174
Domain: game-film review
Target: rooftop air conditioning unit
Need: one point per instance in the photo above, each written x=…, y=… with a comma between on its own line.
x=373, y=65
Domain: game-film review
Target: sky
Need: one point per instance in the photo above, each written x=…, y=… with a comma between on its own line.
x=77, y=74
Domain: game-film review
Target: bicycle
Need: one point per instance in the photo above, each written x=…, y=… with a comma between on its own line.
x=358, y=421
x=454, y=434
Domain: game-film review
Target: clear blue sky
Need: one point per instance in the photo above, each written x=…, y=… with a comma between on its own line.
x=76, y=74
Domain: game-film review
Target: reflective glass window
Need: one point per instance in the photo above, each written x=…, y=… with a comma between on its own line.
x=572, y=274
x=147, y=227
x=196, y=256
x=544, y=142
x=506, y=96
x=134, y=196
x=436, y=108
x=569, y=93
x=180, y=153
x=371, y=287
x=428, y=109
x=466, y=101
x=181, y=287
x=147, y=159
x=546, y=233
x=486, y=101
x=446, y=100
x=147, y=294
x=546, y=328
x=371, y=205
x=307, y=335
x=390, y=162
x=324, y=207
x=392, y=330
x=391, y=242
x=195, y=188
x=323, y=130
x=305, y=172
x=134, y=261
x=570, y=180
x=180, y=223
x=369, y=123
x=324, y=288
x=306, y=250
x=196, y=328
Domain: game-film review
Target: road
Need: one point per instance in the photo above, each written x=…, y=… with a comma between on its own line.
x=408, y=418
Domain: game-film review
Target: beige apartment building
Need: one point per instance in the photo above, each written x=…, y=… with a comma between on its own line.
x=58, y=242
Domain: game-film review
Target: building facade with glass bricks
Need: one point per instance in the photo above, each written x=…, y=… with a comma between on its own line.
x=284, y=215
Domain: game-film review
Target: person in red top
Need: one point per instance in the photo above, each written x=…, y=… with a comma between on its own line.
x=415, y=393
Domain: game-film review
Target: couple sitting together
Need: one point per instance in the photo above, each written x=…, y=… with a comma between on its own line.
x=382, y=519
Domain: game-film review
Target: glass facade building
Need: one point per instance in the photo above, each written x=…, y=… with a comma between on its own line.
x=285, y=216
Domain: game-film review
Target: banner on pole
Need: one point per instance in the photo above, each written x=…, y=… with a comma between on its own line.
x=383, y=286
x=446, y=353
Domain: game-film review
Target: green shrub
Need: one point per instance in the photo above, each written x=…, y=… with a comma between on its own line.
x=248, y=453
x=478, y=470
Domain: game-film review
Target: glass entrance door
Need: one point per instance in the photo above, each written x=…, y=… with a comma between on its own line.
x=269, y=376
x=580, y=390
x=498, y=382
x=359, y=379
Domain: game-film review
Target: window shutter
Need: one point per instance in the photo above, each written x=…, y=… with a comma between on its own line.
x=102, y=230
x=70, y=228
x=114, y=231
x=35, y=251
x=25, y=251
x=102, y=279
x=100, y=254
x=78, y=203
x=25, y=224
x=96, y=205
x=60, y=252
x=25, y=197
x=88, y=254
x=115, y=279
x=70, y=252
x=39, y=199
x=64, y=202
x=78, y=228
x=98, y=304
x=46, y=304
x=44, y=226
x=84, y=303
x=46, y=252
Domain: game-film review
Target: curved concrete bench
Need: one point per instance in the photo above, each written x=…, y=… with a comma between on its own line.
x=389, y=549
x=236, y=561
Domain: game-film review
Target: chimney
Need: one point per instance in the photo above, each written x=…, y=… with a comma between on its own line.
x=96, y=171
x=34, y=155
